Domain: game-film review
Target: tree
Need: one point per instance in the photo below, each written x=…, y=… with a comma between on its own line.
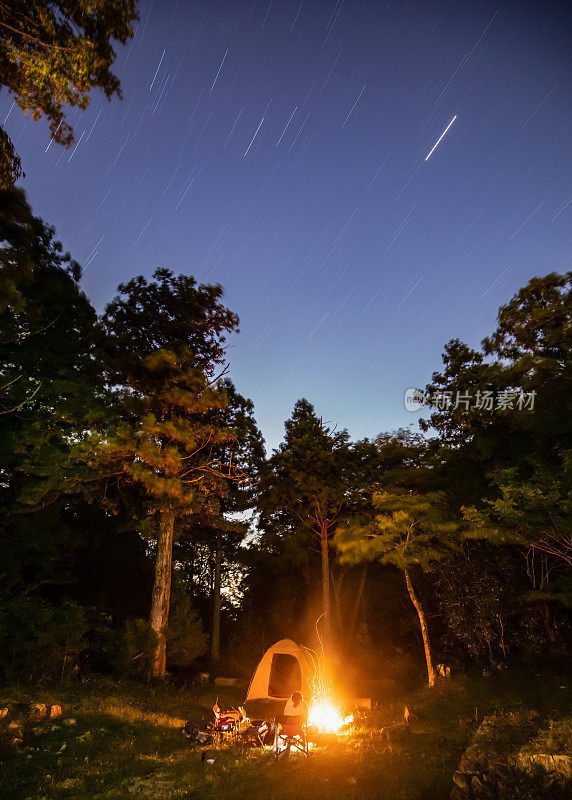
x=51, y=386
x=407, y=530
x=312, y=480
x=161, y=342
x=514, y=462
x=25, y=241
x=535, y=513
x=508, y=466
x=52, y=54
x=248, y=456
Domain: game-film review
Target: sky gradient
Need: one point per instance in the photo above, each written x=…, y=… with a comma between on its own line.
x=280, y=148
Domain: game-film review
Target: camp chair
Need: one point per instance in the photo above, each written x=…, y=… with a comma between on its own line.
x=288, y=735
x=228, y=723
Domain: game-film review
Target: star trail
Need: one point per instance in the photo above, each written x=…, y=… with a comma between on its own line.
x=366, y=180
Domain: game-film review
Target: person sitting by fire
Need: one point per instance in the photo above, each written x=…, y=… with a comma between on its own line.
x=290, y=726
x=295, y=714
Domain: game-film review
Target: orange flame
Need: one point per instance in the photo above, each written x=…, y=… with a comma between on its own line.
x=326, y=717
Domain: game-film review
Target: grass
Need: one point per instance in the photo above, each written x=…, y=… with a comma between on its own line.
x=125, y=743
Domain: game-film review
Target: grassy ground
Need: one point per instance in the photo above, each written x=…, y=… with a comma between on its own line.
x=123, y=741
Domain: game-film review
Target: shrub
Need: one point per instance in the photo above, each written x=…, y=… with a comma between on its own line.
x=39, y=640
x=186, y=640
x=132, y=649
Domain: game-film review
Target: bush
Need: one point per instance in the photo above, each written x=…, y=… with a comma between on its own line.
x=132, y=649
x=186, y=640
x=39, y=640
x=481, y=592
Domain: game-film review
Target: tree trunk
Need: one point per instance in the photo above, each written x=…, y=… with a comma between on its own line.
x=326, y=605
x=162, y=592
x=424, y=630
x=215, y=629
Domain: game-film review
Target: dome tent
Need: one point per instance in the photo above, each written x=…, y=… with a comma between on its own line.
x=284, y=668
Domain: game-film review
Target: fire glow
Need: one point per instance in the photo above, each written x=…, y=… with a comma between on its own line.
x=326, y=717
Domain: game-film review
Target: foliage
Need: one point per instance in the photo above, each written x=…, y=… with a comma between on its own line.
x=535, y=512
x=160, y=342
x=51, y=392
x=313, y=480
x=314, y=477
x=168, y=313
x=39, y=640
x=52, y=54
x=403, y=526
x=408, y=529
x=167, y=445
x=478, y=600
x=27, y=243
x=50, y=385
x=508, y=469
x=186, y=640
x=132, y=649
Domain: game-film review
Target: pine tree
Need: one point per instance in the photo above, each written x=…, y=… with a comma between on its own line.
x=161, y=342
x=310, y=482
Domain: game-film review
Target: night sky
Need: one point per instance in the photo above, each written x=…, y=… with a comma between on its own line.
x=279, y=148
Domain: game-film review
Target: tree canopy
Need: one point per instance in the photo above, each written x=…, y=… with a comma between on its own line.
x=52, y=55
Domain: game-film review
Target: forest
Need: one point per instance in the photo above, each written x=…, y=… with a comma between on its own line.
x=146, y=532
x=185, y=610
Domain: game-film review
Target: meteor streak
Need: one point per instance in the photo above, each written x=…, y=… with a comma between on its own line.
x=430, y=153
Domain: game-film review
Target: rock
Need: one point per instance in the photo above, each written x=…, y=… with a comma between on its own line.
x=39, y=712
x=363, y=703
x=69, y=783
x=225, y=681
x=16, y=728
x=85, y=737
x=505, y=742
x=462, y=781
x=468, y=758
x=70, y=721
x=554, y=763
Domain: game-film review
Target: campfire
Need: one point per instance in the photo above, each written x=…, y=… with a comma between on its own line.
x=326, y=717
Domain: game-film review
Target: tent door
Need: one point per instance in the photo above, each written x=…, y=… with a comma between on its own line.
x=285, y=676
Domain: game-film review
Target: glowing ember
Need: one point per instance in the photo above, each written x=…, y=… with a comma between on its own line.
x=326, y=717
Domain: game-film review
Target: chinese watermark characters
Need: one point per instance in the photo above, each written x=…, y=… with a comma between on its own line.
x=482, y=400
